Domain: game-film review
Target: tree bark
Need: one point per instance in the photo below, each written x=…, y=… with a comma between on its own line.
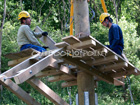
x=41, y=10
x=116, y=10
x=21, y=4
x=81, y=18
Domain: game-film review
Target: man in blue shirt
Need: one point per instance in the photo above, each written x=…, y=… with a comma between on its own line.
x=115, y=33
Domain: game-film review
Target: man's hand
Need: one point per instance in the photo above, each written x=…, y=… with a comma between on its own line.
x=45, y=47
x=44, y=33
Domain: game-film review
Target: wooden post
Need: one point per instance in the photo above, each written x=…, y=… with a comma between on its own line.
x=85, y=81
x=81, y=18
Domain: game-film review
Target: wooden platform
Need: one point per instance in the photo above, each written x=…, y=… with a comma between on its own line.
x=70, y=57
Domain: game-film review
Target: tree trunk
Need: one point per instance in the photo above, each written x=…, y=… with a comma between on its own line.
x=85, y=81
x=1, y=27
x=115, y=10
x=81, y=18
x=21, y=4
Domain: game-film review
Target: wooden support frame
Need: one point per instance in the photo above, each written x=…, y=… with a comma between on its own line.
x=25, y=64
x=19, y=92
x=61, y=44
x=82, y=45
x=35, y=68
x=67, y=71
x=46, y=91
x=60, y=78
x=48, y=73
x=114, y=66
x=103, y=60
x=88, y=69
x=48, y=41
x=68, y=84
x=123, y=73
x=71, y=40
x=17, y=61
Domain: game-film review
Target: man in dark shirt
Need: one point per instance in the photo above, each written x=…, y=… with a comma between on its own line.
x=115, y=33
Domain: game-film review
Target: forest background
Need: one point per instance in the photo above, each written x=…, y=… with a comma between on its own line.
x=53, y=16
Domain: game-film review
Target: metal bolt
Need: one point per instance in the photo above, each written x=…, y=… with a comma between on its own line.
x=30, y=71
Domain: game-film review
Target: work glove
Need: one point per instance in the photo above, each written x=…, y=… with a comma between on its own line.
x=44, y=33
x=45, y=47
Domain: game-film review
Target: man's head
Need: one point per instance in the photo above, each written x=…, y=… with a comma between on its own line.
x=105, y=19
x=24, y=18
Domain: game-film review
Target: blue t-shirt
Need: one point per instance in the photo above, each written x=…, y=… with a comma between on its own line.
x=116, y=37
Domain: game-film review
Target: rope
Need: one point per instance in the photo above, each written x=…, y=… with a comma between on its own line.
x=93, y=13
x=129, y=88
x=69, y=93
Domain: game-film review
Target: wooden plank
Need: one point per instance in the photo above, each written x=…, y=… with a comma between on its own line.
x=60, y=78
x=61, y=44
x=48, y=73
x=118, y=83
x=82, y=45
x=85, y=83
x=48, y=41
x=21, y=54
x=35, y=68
x=68, y=84
x=113, y=66
x=71, y=40
x=17, y=61
x=103, y=60
x=88, y=69
x=123, y=73
x=13, y=71
x=46, y=91
x=98, y=45
x=67, y=71
x=18, y=91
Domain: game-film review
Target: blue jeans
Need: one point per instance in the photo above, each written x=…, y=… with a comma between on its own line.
x=38, y=48
x=117, y=49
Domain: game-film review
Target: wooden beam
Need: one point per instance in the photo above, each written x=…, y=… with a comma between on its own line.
x=123, y=73
x=114, y=66
x=22, y=54
x=48, y=41
x=68, y=84
x=88, y=69
x=17, y=61
x=13, y=71
x=46, y=91
x=61, y=44
x=60, y=78
x=19, y=92
x=118, y=83
x=35, y=68
x=27, y=73
x=82, y=45
x=67, y=71
x=71, y=40
x=85, y=83
x=48, y=73
x=103, y=60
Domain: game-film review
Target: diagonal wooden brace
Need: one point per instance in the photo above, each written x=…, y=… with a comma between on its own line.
x=35, y=68
x=18, y=91
x=46, y=91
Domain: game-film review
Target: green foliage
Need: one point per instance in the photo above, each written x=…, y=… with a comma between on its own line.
x=52, y=17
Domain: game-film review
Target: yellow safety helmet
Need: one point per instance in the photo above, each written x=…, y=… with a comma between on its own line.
x=103, y=16
x=24, y=14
